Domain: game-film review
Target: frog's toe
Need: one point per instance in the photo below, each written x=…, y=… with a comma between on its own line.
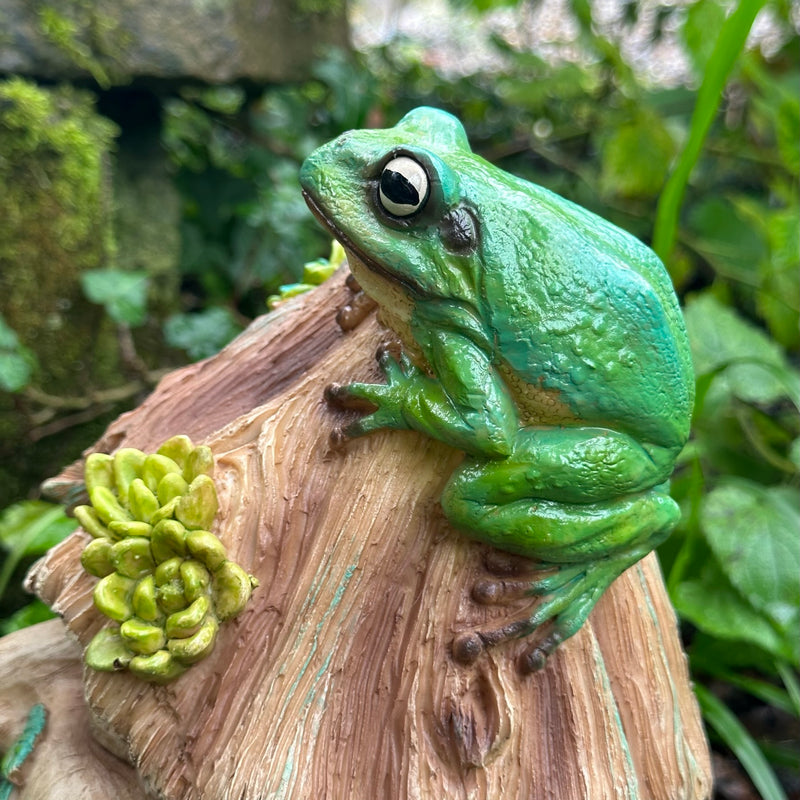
x=467, y=647
x=503, y=563
x=491, y=591
x=394, y=365
x=534, y=658
x=352, y=396
x=351, y=315
x=568, y=595
x=496, y=591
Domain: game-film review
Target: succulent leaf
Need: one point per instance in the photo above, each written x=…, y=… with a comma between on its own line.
x=165, y=578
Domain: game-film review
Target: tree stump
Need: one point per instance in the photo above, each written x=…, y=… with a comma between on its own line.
x=337, y=679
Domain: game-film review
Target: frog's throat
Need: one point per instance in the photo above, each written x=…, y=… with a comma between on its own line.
x=393, y=295
x=410, y=287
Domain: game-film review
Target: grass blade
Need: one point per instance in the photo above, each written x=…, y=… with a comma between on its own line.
x=732, y=38
x=734, y=734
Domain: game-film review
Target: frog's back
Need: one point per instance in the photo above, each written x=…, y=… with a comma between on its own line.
x=591, y=318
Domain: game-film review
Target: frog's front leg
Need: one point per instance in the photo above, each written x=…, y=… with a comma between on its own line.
x=586, y=503
x=466, y=405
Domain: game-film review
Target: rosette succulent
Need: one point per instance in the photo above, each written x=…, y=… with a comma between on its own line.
x=165, y=579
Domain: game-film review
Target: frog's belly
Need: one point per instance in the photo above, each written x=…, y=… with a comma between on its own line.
x=538, y=406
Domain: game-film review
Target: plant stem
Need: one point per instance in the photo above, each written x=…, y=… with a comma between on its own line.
x=726, y=51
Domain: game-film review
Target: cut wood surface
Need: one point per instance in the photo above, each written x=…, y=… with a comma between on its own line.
x=337, y=679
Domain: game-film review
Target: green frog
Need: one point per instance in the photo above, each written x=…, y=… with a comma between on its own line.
x=539, y=339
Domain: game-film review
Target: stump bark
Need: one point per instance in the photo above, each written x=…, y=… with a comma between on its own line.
x=337, y=680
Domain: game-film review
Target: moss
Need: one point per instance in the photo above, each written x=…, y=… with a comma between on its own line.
x=52, y=139
x=89, y=38
x=55, y=222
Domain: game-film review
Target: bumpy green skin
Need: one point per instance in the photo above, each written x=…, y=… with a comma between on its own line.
x=164, y=578
x=541, y=340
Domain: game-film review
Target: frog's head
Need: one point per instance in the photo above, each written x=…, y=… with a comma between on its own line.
x=394, y=198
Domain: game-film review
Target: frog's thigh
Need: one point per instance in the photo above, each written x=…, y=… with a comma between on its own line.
x=573, y=465
x=562, y=533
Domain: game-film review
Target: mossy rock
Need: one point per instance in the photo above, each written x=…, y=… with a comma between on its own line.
x=55, y=223
x=216, y=41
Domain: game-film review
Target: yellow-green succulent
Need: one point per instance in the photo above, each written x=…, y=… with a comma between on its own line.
x=165, y=579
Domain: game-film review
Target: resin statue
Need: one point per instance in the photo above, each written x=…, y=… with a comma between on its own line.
x=541, y=340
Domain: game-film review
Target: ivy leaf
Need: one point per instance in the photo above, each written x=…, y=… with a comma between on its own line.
x=122, y=292
x=753, y=367
x=752, y=531
x=203, y=333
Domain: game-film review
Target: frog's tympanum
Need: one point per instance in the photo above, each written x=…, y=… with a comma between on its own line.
x=541, y=340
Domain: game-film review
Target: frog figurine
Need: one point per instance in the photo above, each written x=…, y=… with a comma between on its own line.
x=541, y=340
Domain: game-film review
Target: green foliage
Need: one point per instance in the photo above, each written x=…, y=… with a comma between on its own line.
x=708, y=175
x=202, y=333
x=63, y=32
x=60, y=131
x=717, y=68
x=747, y=588
x=736, y=736
x=17, y=362
x=246, y=229
x=27, y=530
x=122, y=293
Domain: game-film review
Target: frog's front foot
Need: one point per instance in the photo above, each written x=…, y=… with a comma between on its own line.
x=381, y=404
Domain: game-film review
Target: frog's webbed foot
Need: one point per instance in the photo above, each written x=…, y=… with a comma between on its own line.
x=381, y=403
x=568, y=595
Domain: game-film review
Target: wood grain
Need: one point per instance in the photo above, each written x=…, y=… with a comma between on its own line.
x=337, y=681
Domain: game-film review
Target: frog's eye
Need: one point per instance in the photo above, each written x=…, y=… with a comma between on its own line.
x=404, y=187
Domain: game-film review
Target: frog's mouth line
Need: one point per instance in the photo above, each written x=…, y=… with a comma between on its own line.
x=349, y=246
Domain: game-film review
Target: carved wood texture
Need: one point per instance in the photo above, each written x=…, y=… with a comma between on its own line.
x=336, y=681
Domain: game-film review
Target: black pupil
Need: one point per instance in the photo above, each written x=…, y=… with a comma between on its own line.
x=397, y=188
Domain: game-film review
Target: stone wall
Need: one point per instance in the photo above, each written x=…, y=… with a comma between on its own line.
x=85, y=184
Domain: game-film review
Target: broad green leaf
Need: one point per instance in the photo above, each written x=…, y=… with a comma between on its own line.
x=123, y=293
x=794, y=452
x=731, y=241
x=712, y=604
x=203, y=333
x=753, y=532
x=30, y=529
x=636, y=156
x=28, y=615
x=33, y=527
x=15, y=371
x=752, y=366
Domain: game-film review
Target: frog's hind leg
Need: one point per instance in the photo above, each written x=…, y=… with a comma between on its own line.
x=583, y=547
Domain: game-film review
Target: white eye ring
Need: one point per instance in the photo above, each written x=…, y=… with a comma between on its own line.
x=404, y=187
